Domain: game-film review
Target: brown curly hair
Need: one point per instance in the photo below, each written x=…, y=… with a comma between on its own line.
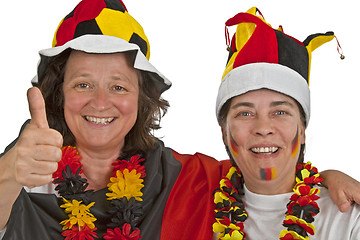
x=151, y=107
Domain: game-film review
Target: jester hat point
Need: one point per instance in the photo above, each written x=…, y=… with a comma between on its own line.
x=102, y=26
x=263, y=57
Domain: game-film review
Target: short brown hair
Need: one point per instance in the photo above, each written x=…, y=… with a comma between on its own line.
x=150, y=110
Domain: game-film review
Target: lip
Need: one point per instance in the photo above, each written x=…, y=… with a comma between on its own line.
x=264, y=149
x=99, y=121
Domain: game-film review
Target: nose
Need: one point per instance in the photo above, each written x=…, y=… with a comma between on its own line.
x=263, y=126
x=100, y=100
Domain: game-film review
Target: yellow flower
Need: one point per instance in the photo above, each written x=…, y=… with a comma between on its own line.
x=219, y=197
x=234, y=235
x=125, y=184
x=295, y=235
x=79, y=214
x=76, y=208
x=218, y=227
x=79, y=220
x=230, y=173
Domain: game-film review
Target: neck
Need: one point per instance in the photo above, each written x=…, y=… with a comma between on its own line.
x=270, y=187
x=97, y=166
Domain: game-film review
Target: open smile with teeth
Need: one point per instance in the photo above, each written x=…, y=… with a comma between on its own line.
x=264, y=150
x=96, y=120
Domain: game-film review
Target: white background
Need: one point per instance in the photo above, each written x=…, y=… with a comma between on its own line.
x=188, y=46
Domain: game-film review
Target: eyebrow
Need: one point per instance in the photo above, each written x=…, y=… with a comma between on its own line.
x=272, y=104
x=280, y=103
x=243, y=104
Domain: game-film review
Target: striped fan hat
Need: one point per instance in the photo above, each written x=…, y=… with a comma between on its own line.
x=263, y=57
x=102, y=26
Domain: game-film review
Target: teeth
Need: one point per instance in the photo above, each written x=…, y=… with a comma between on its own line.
x=264, y=149
x=95, y=120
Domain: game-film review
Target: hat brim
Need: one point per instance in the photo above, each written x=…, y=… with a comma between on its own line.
x=103, y=44
x=261, y=75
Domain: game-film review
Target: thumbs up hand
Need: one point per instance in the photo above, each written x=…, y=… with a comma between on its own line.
x=37, y=152
x=37, y=108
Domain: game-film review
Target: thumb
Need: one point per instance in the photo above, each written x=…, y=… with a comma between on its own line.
x=37, y=108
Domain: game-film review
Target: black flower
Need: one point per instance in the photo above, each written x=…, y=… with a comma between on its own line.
x=124, y=211
x=73, y=186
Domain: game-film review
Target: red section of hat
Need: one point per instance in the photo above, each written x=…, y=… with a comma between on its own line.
x=65, y=32
x=261, y=46
x=85, y=10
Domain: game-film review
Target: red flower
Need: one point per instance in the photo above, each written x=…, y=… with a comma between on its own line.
x=304, y=190
x=290, y=207
x=241, y=226
x=133, y=163
x=299, y=166
x=125, y=234
x=302, y=223
x=287, y=237
x=71, y=157
x=225, y=221
x=312, y=180
x=82, y=233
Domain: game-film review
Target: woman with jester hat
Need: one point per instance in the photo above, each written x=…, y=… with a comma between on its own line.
x=86, y=165
x=263, y=108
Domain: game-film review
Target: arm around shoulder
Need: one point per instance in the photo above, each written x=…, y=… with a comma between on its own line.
x=343, y=189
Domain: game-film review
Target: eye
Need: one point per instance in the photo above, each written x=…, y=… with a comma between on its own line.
x=82, y=85
x=118, y=88
x=243, y=114
x=280, y=112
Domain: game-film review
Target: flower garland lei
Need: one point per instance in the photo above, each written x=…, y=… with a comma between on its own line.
x=124, y=194
x=230, y=212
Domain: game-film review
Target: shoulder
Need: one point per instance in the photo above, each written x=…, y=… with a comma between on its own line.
x=333, y=224
x=329, y=209
x=199, y=161
x=203, y=162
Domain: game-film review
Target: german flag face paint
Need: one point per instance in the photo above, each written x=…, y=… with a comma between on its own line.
x=295, y=144
x=234, y=148
x=268, y=173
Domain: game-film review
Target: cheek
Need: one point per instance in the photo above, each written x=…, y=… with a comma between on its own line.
x=233, y=146
x=232, y=142
x=127, y=105
x=295, y=144
x=73, y=104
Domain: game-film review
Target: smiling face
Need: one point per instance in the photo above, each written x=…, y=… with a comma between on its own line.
x=264, y=131
x=101, y=99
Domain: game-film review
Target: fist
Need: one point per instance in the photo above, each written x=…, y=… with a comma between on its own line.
x=38, y=149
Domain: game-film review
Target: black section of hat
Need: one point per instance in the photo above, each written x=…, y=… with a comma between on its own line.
x=115, y=5
x=292, y=54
